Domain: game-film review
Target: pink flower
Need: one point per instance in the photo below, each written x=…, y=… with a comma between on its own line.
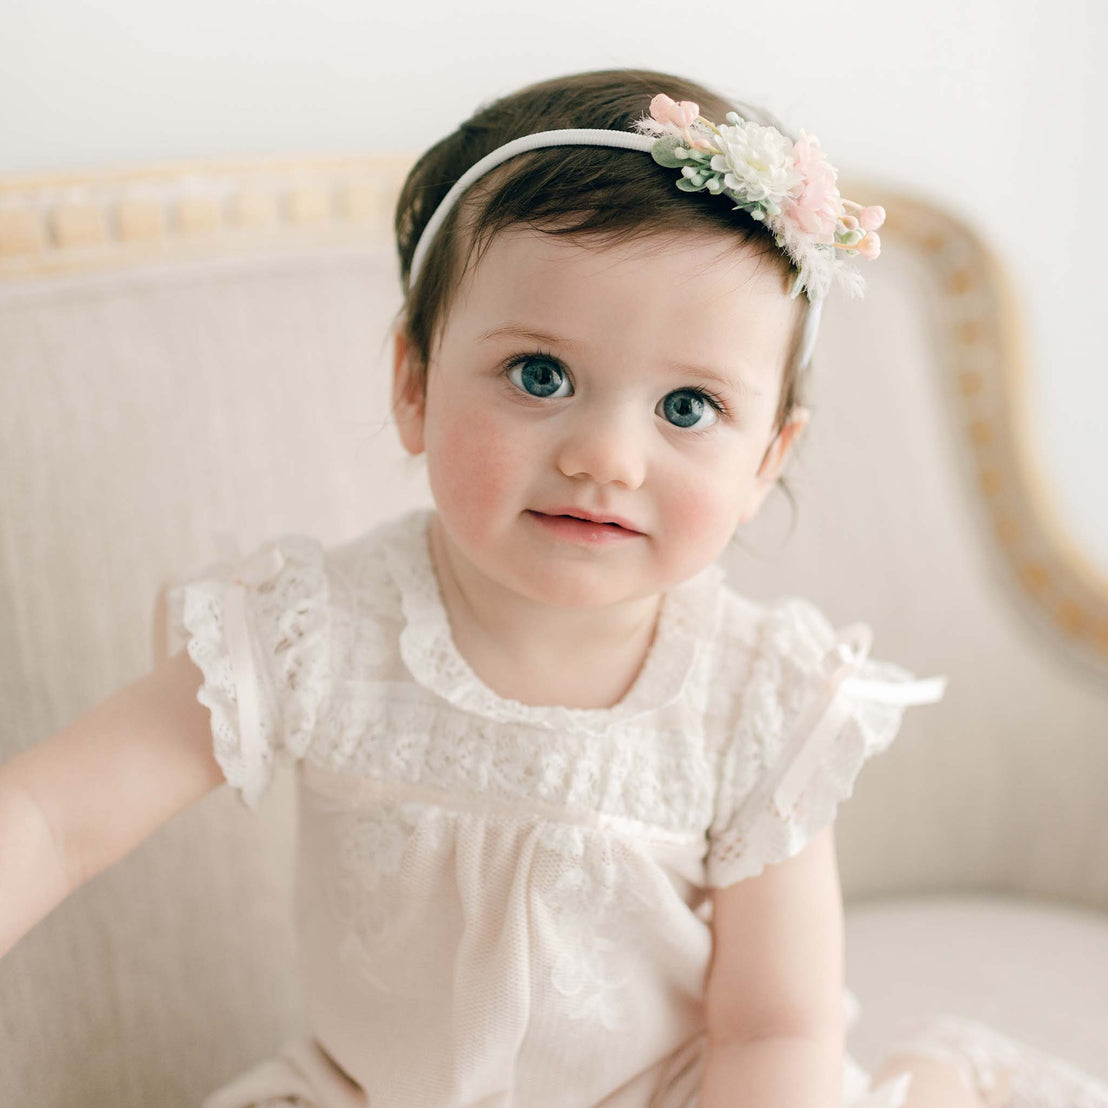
x=665, y=110
x=870, y=246
x=872, y=217
x=818, y=207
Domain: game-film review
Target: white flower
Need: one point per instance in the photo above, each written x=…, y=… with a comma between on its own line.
x=758, y=162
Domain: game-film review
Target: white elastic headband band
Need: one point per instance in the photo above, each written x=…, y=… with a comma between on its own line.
x=571, y=136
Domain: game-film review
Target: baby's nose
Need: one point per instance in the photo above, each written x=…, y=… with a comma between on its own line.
x=604, y=446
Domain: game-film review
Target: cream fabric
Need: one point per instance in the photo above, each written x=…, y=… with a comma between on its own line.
x=503, y=904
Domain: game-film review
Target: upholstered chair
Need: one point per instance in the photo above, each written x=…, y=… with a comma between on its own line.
x=197, y=355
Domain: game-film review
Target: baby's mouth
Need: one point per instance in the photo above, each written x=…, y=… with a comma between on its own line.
x=594, y=522
x=609, y=525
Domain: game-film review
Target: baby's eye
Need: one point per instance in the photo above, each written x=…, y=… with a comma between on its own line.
x=539, y=375
x=685, y=407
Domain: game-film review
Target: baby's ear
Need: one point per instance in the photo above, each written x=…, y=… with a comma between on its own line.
x=407, y=393
x=774, y=459
x=773, y=462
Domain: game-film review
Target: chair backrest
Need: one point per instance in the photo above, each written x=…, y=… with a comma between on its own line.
x=201, y=349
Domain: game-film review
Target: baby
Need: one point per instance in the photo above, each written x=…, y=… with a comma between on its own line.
x=566, y=798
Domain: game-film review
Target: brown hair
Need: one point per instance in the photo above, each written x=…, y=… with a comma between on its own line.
x=579, y=191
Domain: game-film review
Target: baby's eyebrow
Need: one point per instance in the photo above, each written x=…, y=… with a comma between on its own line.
x=739, y=384
x=518, y=331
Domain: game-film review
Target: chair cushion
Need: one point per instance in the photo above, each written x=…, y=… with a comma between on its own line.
x=1034, y=970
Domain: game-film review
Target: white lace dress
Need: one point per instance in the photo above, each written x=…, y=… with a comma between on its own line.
x=506, y=905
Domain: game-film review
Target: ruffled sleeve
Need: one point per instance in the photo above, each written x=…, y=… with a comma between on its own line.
x=814, y=709
x=259, y=631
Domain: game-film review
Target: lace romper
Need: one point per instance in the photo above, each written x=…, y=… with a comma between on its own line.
x=506, y=905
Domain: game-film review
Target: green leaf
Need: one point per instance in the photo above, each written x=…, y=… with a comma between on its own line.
x=663, y=152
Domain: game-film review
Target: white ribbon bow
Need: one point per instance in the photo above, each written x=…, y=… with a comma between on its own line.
x=825, y=715
x=241, y=635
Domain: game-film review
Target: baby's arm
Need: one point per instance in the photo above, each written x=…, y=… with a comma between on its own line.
x=79, y=801
x=774, y=993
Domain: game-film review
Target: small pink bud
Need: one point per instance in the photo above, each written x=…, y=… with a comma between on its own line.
x=870, y=246
x=665, y=110
x=685, y=113
x=849, y=222
x=659, y=107
x=872, y=217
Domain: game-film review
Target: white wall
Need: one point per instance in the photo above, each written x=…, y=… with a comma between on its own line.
x=996, y=110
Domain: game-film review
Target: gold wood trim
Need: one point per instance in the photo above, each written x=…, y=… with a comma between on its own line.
x=987, y=371
x=111, y=218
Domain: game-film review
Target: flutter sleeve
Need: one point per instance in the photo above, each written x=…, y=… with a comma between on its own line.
x=258, y=629
x=815, y=707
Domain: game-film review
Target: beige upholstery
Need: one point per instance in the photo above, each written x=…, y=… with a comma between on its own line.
x=204, y=349
x=1035, y=969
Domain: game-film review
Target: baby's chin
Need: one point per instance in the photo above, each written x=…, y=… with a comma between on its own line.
x=562, y=574
x=580, y=596
x=571, y=582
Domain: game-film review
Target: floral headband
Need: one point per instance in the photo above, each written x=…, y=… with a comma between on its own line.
x=788, y=186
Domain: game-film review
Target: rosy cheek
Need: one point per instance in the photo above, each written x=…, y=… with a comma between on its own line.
x=702, y=513
x=474, y=462
x=693, y=513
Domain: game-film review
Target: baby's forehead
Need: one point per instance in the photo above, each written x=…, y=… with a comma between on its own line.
x=595, y=252
x=679, y=272
x=701, y=294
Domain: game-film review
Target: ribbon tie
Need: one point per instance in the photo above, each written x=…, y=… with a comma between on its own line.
x=241, y=635
x=825, y=715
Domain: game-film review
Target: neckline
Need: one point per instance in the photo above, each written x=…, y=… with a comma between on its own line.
x=688, y=619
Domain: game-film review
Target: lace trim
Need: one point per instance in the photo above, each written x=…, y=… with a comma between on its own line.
x=658, y=774
x=689, y=617
x=288, y=630
x=1005, y=1073
x=785, y=672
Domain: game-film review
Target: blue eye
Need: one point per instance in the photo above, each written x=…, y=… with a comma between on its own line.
x=540, y=376
x=543, y=377
x=684, y=408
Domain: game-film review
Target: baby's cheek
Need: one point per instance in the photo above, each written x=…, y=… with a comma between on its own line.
x=473, y=466
x=701, y=518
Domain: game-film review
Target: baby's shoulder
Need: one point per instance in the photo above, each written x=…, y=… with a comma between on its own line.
x=754, y=635
x=359, y=578
x=366, y=603
x=770, y=655
x=787, y=634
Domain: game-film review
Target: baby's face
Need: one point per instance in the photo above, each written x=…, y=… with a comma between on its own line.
x=574, y=377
